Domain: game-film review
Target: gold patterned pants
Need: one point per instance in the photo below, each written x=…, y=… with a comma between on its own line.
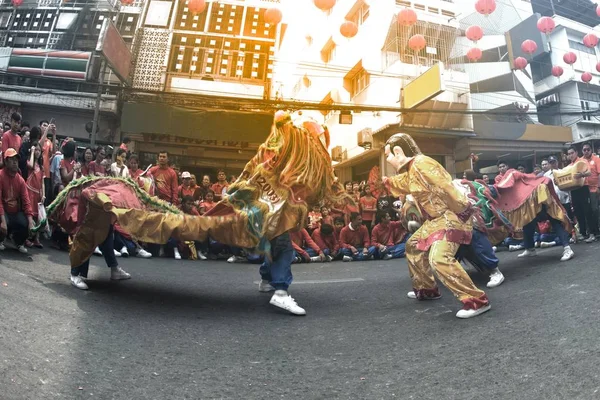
x=441, y=259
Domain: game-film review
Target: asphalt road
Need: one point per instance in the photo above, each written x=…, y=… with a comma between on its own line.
x=201, y=330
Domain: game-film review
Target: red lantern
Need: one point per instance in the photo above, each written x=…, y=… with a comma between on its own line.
x=273, y=16
x=520, y=63
x=349, y=29
x=324, y=5
x=417, y=42
x=598, y=67
x=474, y=54
x=586, y=77
x=557, y=71
x=17, y=3
x=590, y=40
x=474, y=33
x=528, y=46
x=546, y=25
x=196, y=6
x=598, y=10
x=485, y=7
x=127, y=2
x=407, y=17
x=570, y=58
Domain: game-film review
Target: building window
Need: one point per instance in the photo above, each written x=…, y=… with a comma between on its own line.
x=360, y=81
x=585, y=106
x=403, y=3
x=447, y=13
x=360, y=14
x=581, y=47
x=420, y=7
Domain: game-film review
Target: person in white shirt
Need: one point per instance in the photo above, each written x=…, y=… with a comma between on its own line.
x=119, y=168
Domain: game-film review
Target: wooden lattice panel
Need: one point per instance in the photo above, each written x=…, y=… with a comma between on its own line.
x=152, y=50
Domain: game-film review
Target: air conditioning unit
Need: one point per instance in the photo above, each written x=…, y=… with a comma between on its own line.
x=337, y=154
x=365, y=138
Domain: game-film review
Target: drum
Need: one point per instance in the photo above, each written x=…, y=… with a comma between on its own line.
x=565, y=178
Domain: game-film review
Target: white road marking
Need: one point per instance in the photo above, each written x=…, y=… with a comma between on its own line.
x=309, y=282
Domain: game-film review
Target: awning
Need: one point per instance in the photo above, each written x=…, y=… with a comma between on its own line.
x=390, y=129
x=364, y=156
x=208, y=124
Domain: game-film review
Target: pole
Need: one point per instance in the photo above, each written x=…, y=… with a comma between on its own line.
x=97, y=108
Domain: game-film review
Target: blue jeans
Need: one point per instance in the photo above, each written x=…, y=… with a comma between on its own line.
x=359, y=256
x=479, y=253
x=313, y=253
x=547, y=237
x=396, y=251
x=121, y=241
x=108, y=251
x=278, y=271
x=529, y=230
x=17, y=226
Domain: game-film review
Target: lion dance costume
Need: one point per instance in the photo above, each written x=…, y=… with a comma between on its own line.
x=291, y=171
x=447, y=214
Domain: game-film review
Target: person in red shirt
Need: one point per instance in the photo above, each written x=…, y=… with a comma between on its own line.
x=186, y=188
x=338, y=225
x=502, y=168
x=165, y=179
x=11, y=138
x=304, y=248
x=326, y=216
x=350, y=207
x=125, y=144
x=592, y=183
x=324, y=237
x=580, y=199
x=221, y=185
x=35, y=186
x=88, y=158
x=98, y=166
x=388, y=237
x=16, y=213
x=134, y=167
x=368, y=208
x=355, y=242
x=208, y=203
x=69, y=169
x=314, y=218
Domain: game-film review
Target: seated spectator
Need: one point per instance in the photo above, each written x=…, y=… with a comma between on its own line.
x=355, y=242
x=544, y=237
x=16, y=213
x=388, y=237
x=338, y=225
x=305, y=250
x=124, y=241
x=314, y=218
x=325, y=238
x=125, y=144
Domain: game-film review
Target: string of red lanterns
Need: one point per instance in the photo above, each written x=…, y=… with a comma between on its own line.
x=521, y=63
x=273, y=16
x=474, y=33
x=485, y=7
x=546, y=25
x=17, y=3
x=557, y=71
x=528, y=46
x=407, y=17
x=586, y=77
x=417, y=42
x=474, y=54
x=590, y=40
x=349, y=29
x=570, y=58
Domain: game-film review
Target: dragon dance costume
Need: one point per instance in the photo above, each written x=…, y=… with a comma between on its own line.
x=447, y=214
x=290, y=171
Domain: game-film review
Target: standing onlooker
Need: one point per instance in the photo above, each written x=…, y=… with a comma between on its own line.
x=326, y=217
x=35, y=135
x=580, y=199
x=11, y=138
x=134, y=164
x=368, y=208
x=15, y=208
x=314, y=218
x=88, y=158
x=69, y=169
x=208, y=203
x=55, y=178
x=98, y=166
x=186, y=188
x=35, y=185
x=125, y=144
x=221, y=186
x=204, y=188
x=502, y=168
x=537, y=170
x=592, y=183
x=165, y=178
x=119, y=168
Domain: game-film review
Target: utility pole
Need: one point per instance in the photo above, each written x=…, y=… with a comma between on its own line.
x=98, y=100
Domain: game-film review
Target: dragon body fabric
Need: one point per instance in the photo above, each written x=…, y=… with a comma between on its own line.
x=290, y=172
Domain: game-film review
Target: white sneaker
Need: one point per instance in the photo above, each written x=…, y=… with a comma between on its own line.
x=144, y=254
x=387, y=257
x=347, y=259
x=283, y=300
x=22, y=249
x=536, y=245
x=124, y=252
x=118, y=274
x=567, y=254
x=265, y=287
x=590, y=239
x=472, y=313
x=117, y=254
x=413, y=295
x=495, y=248
x=496, y=278
x=528, y=253
x=545, y=245
x=232, y=259
x=201, y=256
x=78, y=282
x=2, y=246
x=176, y=253
x=97, y=251
x=515, y=247
x=315, y=259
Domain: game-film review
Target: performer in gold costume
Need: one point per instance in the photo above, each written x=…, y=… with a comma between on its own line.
x=447, y=212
